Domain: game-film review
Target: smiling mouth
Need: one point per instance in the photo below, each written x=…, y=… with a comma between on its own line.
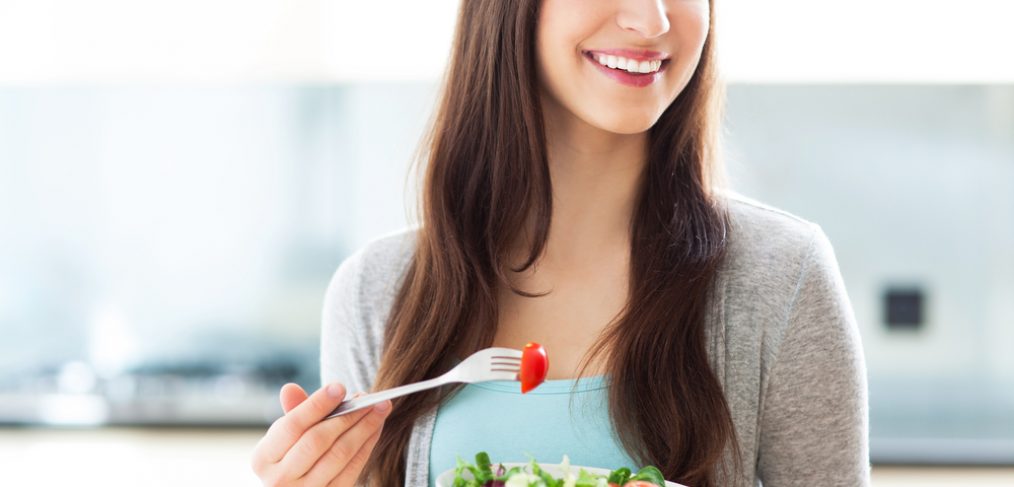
x=591, y=57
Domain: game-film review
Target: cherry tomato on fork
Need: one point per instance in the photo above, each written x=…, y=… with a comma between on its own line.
x=534, y=366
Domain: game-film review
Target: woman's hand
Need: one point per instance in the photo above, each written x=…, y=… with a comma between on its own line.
x=301, y=450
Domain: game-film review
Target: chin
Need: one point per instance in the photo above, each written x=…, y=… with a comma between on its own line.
x=628, y=124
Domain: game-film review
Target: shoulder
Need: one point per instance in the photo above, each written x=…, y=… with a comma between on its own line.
x=763, y=232
x=372, y=274
x=768, y=246
x=780, y=272
x=771, y=253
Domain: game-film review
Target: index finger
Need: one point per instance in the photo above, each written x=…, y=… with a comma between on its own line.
x=287, y=430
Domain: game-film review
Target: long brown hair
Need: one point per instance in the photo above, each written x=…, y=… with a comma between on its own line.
x=487, y=179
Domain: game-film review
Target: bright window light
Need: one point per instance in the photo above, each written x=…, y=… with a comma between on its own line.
x=340, y=40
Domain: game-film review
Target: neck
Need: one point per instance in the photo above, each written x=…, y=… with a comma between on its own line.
x=595, y=176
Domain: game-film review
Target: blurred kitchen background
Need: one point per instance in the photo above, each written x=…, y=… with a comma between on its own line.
x=179, y=180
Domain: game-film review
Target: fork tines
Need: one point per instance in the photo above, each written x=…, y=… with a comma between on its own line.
x=512, y=363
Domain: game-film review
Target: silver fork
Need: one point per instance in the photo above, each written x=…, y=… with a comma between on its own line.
x=495, y=363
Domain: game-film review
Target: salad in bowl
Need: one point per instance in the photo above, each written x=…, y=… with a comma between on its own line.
x=484, y=473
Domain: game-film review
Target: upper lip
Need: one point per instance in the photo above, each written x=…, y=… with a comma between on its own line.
x=636, y=54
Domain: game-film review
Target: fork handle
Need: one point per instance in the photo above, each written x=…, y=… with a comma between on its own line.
x=368, y=400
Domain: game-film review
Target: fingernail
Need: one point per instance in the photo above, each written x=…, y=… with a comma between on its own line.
x=383, y=407
x=335, y=390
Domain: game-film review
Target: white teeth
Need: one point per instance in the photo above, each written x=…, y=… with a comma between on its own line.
x=629, y=65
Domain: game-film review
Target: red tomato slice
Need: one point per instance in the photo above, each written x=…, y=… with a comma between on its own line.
x=534, y=366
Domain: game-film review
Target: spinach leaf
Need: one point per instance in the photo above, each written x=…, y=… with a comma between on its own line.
x=485, y=472
x=619, y=476
x=651, y=474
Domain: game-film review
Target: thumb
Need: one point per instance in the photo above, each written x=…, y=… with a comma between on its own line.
x=291, y=396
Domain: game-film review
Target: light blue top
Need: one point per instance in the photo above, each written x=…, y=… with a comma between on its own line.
x=496, y=418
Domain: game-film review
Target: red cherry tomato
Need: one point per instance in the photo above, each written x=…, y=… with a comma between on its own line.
x=534, y=366
x=639, y=483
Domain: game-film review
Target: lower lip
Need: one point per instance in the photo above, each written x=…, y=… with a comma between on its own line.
x=638, y=80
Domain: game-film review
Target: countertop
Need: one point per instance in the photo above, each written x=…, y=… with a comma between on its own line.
x=155, y=457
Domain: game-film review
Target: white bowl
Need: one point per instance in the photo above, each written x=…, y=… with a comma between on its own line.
x=446, y=479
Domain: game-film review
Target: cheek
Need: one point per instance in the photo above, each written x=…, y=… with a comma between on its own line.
x=690, y=27
x=551, y=68
x=558, y=58
x=558, y=29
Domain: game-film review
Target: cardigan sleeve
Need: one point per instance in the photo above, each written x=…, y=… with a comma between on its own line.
x=814, y=418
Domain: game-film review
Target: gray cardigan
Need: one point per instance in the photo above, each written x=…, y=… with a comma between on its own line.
x=782, y=337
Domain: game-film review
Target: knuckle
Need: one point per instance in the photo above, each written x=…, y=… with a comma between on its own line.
x=320, y=444
x=290, y=428
x=312, y=444
x=342, y=451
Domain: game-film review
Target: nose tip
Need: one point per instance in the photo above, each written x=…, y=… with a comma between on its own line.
x=649, y=19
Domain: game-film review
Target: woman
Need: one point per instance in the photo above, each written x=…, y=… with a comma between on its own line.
x=570, y=202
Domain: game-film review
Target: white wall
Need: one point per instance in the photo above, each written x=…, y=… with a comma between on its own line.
x=344, y=40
